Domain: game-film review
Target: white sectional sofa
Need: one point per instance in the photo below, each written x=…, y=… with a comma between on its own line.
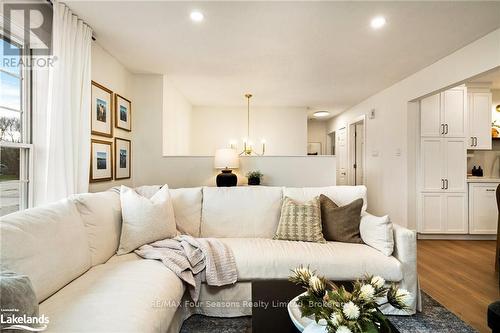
x=68, y=250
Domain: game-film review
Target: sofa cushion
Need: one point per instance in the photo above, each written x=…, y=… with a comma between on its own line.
x=102, y=216
x=377, y=232
x=259, y=258
x=341, y=195
x=187, y=208
x=341, y=224
x=48, y=244
x=127, y=294
x=252, y=211
x=300, y=221
x=145, y=220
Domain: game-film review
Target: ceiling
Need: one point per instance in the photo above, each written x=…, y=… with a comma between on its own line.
x=322, y=55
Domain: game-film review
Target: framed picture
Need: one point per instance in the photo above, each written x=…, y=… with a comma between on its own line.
x=101, y=110
x=101, y=161
x=123, y=113
x=314, y=148
x=122, y=158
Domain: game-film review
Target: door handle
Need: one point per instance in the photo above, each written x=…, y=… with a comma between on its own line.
x=490, y=190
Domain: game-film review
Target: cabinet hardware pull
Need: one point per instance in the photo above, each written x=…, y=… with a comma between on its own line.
x=472, y=141
x=446, y=181
x=442, y=183
x=442, y=129
x=490, y=190
x=446, y=126
x=475, y=141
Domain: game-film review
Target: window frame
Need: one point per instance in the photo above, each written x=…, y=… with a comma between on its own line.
x=25, y=181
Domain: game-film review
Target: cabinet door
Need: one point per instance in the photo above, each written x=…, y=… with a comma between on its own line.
x=480, y=121
x=456, y=213
x=483, y=212
x=432, y=159
x=455, y=161
x=454, y=112
x=431, y=213
x=430, y=114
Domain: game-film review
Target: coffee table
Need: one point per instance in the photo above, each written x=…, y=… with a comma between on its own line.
x=270, y=299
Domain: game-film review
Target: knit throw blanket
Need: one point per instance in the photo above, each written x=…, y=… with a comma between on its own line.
x=194, y=260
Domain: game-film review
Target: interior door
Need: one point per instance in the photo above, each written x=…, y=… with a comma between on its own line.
x=432, y=158
x=455, y=158
x=430, y=114
x=454, y=112
x=360, y=143
x=480, y=120
x=341, y=154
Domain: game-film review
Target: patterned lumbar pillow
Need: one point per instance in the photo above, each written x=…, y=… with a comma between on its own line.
x=341, y=224
x=300, y=221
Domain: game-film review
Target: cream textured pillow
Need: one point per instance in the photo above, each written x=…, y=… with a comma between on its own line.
x=377, y=232
x=145, y=220
x=300, y=221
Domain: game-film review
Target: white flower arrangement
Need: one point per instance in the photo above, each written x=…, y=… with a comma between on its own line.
x=355, y=311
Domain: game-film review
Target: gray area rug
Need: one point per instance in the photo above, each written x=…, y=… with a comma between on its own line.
x=434, y=318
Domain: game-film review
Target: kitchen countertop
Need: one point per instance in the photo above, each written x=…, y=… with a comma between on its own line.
x=474, y=179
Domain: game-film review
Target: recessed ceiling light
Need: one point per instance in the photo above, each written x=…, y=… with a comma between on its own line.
x=321, y=114
x=196, y=16
x=378, y=22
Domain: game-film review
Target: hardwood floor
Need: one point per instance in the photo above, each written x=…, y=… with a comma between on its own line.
x=461, y=276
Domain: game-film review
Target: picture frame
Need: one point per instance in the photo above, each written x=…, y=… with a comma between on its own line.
x=101, y=110
x=123, y=113
x=101, y=161
x=123, y=158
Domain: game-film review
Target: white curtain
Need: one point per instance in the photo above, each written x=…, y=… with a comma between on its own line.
x=61, y=115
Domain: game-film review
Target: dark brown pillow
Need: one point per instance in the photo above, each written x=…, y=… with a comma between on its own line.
x=341, y=224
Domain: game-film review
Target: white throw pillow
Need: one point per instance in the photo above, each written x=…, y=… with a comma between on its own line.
x=145, y=220
x=377, y=232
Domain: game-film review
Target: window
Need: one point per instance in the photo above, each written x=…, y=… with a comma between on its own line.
x=15, y=129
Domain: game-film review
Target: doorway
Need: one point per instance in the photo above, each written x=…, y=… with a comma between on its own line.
x=357, y=151
x=341, y=155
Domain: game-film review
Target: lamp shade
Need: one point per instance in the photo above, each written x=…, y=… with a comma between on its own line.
x=226, y=158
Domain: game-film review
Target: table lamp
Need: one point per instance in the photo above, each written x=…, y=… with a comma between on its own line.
x=226, y=159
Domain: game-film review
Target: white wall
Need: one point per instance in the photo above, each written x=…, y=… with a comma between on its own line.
x=317, y=132
x=151, y=167
x=176, y=121
x=284, y=129
x=389, y=174
x=107, y=71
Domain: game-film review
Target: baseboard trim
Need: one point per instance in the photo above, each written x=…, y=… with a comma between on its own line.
x=456, y=237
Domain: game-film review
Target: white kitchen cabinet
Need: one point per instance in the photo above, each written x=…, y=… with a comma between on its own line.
x=479, y=110
x=454, y=112
x=444, y=114
x=443, y=165
x=443, y=213
x=483, y=212
x=430, y=116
